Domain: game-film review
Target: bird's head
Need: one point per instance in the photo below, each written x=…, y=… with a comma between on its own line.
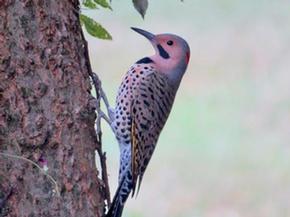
x=172, y=53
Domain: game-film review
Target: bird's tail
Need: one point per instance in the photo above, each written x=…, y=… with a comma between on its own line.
x=121, y=196
x=116, y=208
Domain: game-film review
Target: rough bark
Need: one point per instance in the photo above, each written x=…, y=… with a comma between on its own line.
x=46, y=115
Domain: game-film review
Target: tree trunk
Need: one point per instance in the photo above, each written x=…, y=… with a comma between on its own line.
x=46, y=117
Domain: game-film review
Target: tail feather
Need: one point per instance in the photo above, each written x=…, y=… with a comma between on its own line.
x=116, y=209
x=120, y=197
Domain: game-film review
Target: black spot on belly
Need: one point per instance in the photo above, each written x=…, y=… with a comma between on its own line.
x=144, y=126
x=146, y=103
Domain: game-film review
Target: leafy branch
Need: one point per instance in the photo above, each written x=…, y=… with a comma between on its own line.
x=94, y=28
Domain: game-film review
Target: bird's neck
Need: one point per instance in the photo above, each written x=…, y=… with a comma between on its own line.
x=172, y=68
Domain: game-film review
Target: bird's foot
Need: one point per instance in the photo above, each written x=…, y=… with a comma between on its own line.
x=110, y=110
x=101, y=115
x=102, y=96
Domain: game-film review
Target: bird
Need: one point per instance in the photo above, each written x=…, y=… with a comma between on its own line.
x=143, y=103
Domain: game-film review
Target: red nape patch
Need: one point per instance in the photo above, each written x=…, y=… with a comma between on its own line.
x=187, y=57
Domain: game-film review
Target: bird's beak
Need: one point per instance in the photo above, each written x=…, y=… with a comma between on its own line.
x=146, y=34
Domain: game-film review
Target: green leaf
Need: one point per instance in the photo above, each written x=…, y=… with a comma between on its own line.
x=103, y=3
x=94, y=29
x=141, y=6
x=89, y=4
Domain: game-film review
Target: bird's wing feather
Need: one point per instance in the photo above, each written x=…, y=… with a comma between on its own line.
x=150, y=108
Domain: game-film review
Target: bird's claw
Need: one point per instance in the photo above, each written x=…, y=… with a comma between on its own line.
x=110, y=110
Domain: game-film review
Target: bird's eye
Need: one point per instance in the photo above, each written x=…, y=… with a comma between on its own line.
x=170, y=43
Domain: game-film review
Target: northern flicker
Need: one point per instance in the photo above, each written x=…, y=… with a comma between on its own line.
x=143, y=103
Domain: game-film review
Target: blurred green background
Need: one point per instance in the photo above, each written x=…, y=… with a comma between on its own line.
x=225, y=150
